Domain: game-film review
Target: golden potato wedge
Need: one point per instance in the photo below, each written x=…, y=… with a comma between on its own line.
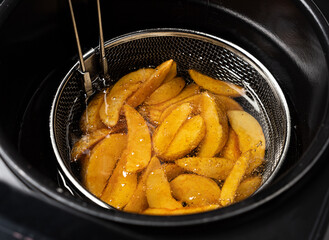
x=121, y=185
x=138, y=201
x=250, y=134
x=126, y=86
x=188, y=91
x=150, y=114
x=86, y=142
x=217, y=168
x=179, y=211
x=150, y=85
x=228, y=103
x=231, y=149
x=139, y=141
x=172, y=170
x=166, y=132
x=216, y=127
x=195, y=190
x=194, y=100
x=187, y=138
x=90, y=119
x=234, y=179
x=216, y=86
x=166, y=91
x=247, y=188
x=172, y=72
x=102, y=161
x=158, y=191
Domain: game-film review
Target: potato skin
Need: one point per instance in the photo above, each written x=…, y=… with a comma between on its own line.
x=194, y=190
x=247, y=187
x=217, y=168
x=102, y=161
x=216, y=86
x=166, y=132
x=139, y=141
x=121, y=185
x=187, y=138
x=179, y=211
x=158, y=191
x=250, y=135
x=216, y=127
x=138, y=201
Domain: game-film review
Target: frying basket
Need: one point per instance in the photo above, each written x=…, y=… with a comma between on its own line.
x=205, y=53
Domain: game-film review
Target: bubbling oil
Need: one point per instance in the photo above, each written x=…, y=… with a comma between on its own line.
x=248, y=102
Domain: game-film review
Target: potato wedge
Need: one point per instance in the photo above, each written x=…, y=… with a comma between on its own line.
x=121, y=185
x=234, y=179
x=172, y=72
x=228, y=103
x=150, y=85
x=216, y=86
x=194, y=190
x=158, y=191
x=217, y=168
x=194, y=100
x=187, y=138
x=90, y=119
x=188, y=91
x=86, y=142
x=166, y=91
x=166, y=132
x=250, y=134
x=139, y=141
x=247, y=188
x=138, y=201
x=216, y=127
x=126, y=86
x=231, y=149
x=172, y=170
x=179, y=211
x=102, y=161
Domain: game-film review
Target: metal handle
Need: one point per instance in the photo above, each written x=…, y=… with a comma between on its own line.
x=86, y=75
x=101, y=41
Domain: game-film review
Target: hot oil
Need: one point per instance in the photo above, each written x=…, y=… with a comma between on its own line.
x=249, y=101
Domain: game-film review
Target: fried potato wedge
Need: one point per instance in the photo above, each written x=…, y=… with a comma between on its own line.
x=139, y=141
x=216, y=127
x=179, y=211
x=187, y=138
x=217, y=168
x=86, y=142
x=102, y=161
x=172, y=72
x=247, y=188
x=121, y=185
x=158, y=191
x=126, y=86
x=195, y=190
x=216, y=86
x=194, y=100
x=138, y=201
x=166, y=91
x=250, y=134
x=151, y=114
x=150, y=85
x=234, y=179
x=90, y=119
x=228, y=103
x=172, y=170
x=166, y=132
x=188, y=91
x=231, y=149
